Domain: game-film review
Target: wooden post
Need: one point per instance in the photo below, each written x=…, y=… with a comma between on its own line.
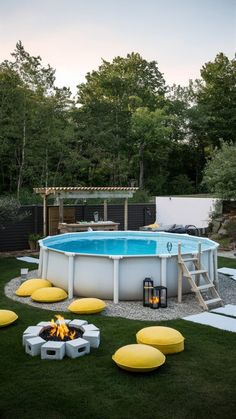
x=180, y=274
x=105, y=209
x=126, y=214
x=61, y=210
x=45, y=215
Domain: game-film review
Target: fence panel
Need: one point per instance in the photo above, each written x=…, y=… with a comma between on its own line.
x=15, y=235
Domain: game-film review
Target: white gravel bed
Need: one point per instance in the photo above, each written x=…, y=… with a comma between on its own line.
x=134, y=309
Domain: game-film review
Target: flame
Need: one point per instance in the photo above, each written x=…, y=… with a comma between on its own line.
x=72, y=335
x=60, y=328
x=154, y=300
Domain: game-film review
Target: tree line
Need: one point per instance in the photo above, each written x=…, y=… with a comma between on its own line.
x=125, y=126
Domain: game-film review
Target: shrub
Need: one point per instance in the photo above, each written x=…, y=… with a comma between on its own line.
x=230, y=227
x=9, y=210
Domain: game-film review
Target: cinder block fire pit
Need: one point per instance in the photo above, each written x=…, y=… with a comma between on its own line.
x=54, y=340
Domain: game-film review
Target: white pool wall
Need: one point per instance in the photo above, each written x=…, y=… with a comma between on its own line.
x=118, y=277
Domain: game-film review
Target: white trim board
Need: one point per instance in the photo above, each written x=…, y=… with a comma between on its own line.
x=28, y=259
x=214, y=320
x=228, y=310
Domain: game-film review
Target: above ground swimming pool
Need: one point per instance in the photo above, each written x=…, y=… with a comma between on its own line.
x=113, y=264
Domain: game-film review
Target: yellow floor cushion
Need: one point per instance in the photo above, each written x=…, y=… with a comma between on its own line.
x=154, y=225
x=49, y=295
x=166, y=339
x=87, y=306
x=28, y=287
x=7, y=317
x=138, y=358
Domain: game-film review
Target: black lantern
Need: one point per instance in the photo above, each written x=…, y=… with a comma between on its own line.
x=147, y=291
x=159, y=296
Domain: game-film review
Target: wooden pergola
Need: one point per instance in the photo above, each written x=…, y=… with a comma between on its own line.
x=105, y=193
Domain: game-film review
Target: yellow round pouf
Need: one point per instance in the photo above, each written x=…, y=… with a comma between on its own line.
x=28, y=287
x=138, y=358
x=49, y=295
x=166, y=339
x=7, y=317
x=87, y=306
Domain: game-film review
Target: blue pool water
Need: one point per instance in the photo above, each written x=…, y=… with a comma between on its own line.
x=125, y=243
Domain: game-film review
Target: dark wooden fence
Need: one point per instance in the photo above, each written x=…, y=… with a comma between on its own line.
x=15, y=235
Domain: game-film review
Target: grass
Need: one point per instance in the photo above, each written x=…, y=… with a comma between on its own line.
x=197, y=383
x=226, y=262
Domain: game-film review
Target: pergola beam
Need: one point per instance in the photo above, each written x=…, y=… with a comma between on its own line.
x=89, y=195
x=105, y=209
x=105, y=193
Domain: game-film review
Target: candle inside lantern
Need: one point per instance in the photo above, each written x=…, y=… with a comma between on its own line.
x=154, y=302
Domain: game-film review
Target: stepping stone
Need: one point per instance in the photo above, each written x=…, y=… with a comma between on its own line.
x=28, y=259
x=227, y=271
x=214, y=320
x=228, y=310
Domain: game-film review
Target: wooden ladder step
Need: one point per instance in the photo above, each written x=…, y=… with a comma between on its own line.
x=205, y=287
x=198, y=272
x=189, y=259
x=214, y=300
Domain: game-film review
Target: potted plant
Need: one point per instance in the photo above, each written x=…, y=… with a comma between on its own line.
x=33, y=241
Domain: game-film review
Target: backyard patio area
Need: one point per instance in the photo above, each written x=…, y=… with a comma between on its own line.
x=117, y=210
x=196, y=383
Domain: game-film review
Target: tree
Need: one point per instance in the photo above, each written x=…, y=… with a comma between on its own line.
x=121, y=79
x=150, y=134
x=213, y=117
x=31, y=71
x=107, y=101
x=34, y=123
x=220, y=172
x=183, y=165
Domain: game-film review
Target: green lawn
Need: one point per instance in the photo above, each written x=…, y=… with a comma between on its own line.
x=197, y=383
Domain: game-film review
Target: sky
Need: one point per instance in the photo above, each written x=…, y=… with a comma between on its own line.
x=74, y=35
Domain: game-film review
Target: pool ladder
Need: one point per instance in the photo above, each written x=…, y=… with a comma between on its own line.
x=206, y=293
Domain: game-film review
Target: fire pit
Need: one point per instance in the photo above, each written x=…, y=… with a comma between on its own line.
x=60, y=331
x=55, y=339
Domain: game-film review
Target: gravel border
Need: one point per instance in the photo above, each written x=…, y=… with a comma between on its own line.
x=134, y=309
